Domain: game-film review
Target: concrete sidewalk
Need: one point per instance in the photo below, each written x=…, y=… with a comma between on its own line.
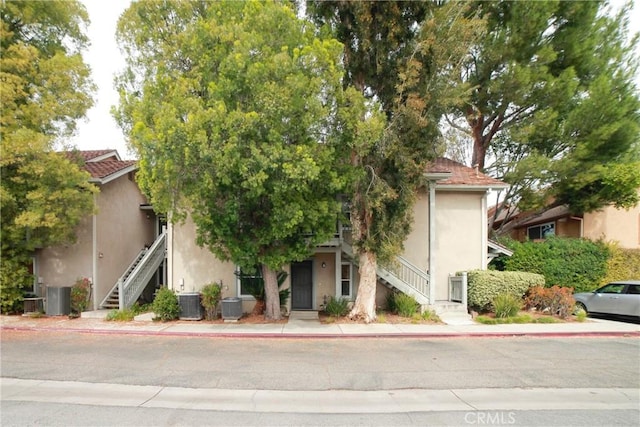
x=319, y=401
x=314, y=329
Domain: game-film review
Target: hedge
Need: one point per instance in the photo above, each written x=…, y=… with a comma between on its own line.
x=623, y=264
x=485, y=285
x=577, y=263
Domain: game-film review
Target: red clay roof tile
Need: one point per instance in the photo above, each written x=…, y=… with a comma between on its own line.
x=461, y=174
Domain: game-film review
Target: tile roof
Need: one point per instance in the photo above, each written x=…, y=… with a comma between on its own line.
x=101, y=164
x=105, y=168
x=461, y=174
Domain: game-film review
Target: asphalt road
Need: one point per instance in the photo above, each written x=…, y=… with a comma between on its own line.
x=325, y=364
x=76, y=379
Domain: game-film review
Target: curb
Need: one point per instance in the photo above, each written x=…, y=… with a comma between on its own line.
x=411, y=335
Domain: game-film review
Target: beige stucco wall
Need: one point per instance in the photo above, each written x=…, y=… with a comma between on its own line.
x=460, y=241
x=618, y=225
x=62, y=265
x=122, y=230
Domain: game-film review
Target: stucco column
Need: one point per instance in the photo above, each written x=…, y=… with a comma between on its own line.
x=432, y=178
x=94, y=255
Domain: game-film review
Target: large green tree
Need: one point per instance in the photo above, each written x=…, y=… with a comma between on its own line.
x=554, y=110
x=402, y=54
x=236, y=111
x=45, y=88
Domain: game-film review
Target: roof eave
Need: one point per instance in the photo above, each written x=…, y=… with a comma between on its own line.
x=113, y=176
x=470, y=187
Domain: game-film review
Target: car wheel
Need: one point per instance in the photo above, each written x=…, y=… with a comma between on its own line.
x=581, y=306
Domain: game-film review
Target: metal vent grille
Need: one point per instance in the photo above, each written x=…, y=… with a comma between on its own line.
x=190, y=308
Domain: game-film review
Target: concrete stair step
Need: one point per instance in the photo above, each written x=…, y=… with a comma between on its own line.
x=304, y=315
x=455, y=318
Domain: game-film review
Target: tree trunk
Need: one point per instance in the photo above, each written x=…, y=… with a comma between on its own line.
x=476, y=122
x=271, y=294
x=365, y=306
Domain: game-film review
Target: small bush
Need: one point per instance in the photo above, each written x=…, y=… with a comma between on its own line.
x=125, y=315
x=165, y=305
x=210, y=295
x=581, y=315
x=80, y=292
x=555, y=300
x=337, y=307
x=14, y=278
x=485, y=285
x=430, y=316
x=506, y=305
x=391, y=302
x=406, y=305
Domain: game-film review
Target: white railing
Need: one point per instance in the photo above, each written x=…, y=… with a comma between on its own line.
x=131, y=288
x=402, y=275
x=458, y=289
x=411, y=275
x=126, y=274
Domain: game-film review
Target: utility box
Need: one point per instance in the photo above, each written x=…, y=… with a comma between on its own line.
x=190, y=308
x=231, y=308
x=58, y=301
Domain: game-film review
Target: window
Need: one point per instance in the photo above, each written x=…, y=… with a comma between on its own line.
x=248, y=280
x=634, y=289
x=345, y=280
x=541, y=231
x=612, y=288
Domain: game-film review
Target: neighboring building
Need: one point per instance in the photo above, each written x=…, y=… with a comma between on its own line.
x=109, y=241
x=608, y=224
x=449, y=235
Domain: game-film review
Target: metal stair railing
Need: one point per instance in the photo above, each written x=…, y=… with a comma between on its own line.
x=131, y=288
x=126, y=274
x=402, y=275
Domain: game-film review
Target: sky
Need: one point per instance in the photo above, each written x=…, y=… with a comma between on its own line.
x=99, y=130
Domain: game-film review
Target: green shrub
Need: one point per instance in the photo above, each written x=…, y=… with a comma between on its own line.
x=337, y=307
x=165, y=305
x=623, y=264
x=126, y=315
x=14, y=279
x=430, y=316
x=391, y=302
x=80, y=292
x=485, y=285
x=577, y=263
x=210, y=297
x=506, y=305
x=406, y=305
x=580, y=314
x=555, y=300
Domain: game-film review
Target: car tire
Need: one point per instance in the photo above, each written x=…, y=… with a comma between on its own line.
x=581, y=306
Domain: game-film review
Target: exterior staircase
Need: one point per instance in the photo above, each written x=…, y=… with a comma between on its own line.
x=129, y=287
x=411, y=280
x=402, y=275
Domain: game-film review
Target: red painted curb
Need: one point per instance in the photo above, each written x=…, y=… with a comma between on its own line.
x=593, y=334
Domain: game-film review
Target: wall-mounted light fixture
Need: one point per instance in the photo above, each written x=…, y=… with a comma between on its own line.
x=324, y=264
x=182, y=284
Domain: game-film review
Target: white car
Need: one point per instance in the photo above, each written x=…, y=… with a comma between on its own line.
x=616, y=298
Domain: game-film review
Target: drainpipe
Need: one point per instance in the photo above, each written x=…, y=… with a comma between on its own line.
x=432, y=242
x=94, y=256
x=484, y=227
